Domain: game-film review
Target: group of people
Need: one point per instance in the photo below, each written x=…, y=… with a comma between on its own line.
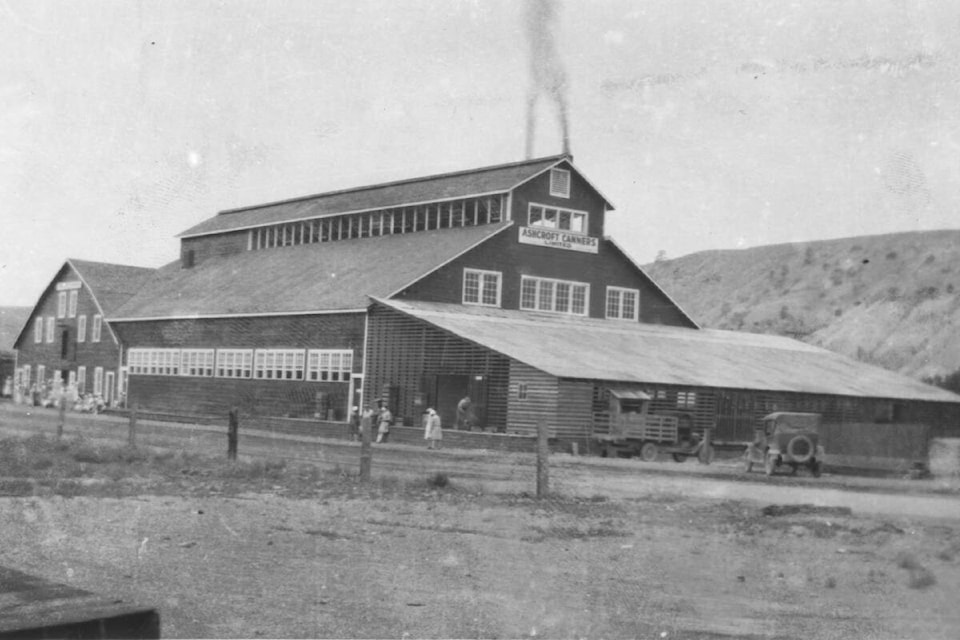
x=53, y=392
x=362, y=422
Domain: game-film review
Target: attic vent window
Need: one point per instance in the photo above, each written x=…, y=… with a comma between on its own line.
x=560, y=183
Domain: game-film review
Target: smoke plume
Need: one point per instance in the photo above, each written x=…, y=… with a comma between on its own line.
x=547, y=75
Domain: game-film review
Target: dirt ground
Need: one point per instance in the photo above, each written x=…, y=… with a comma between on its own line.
x=263, y=548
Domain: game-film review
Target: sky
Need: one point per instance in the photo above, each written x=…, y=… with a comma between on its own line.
x=709, y=124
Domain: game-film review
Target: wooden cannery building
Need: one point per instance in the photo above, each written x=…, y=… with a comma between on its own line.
x=497, y=284
x=67, y=337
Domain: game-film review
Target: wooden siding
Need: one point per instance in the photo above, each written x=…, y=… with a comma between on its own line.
x=188, y=394
x=505, y=254
x=582, y=198
x=89, y=354
x=574, y=420
x=217, y=396
x=403, y=351
x=542, y=399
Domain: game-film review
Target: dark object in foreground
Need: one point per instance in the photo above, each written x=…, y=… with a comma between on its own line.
x=804, y=509
x=31, y=607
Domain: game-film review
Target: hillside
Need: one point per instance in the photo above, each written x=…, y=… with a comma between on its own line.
x=890, y=300
x=11, y=322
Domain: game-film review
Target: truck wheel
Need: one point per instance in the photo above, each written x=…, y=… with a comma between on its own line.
x=648, y=452
x=679, y=457
x=800, y=448
x=770, y=463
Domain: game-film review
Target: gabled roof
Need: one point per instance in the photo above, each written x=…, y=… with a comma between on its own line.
x=310, y=278
x=609, y=350
x=111, y=285
x=461, y=184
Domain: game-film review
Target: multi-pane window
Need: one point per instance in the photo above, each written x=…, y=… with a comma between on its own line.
x=234, y=363
x=81, y=379
x=481, y=287
x=98, y=381
x=521, y=391
x=196, y=362
x=50, y=326
x=559, y=296
x=329, y=365
x=72, y=306
x=25, y=376
x=560, y=183
x=155, y=362
x=686, y=399
x=82, y=328
x=62, y=304
x=554, y=218
x=38, y=330
x=278, y=364
x=95, y=332
x=622, y=304
x=41, y=374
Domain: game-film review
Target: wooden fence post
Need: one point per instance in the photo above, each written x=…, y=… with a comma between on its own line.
x=233, y=430
x=543, y=454
x=366, y=453
x=132, y=433
x=62, y=418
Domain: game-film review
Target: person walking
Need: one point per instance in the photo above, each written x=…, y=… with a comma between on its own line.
x=433, y=431
x=383, y=424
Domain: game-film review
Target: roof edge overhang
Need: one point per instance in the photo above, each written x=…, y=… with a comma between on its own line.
x=218, y=316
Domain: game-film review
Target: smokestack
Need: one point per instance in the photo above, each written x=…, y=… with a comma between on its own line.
x=547, y=75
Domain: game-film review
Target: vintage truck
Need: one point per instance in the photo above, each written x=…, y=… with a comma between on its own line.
x=636, y=432
x=786, y=439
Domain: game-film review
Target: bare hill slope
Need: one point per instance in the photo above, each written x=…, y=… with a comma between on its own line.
x=891, y=300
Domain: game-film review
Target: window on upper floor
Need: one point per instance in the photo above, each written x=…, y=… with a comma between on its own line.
x=62, y=304
x=686, y=399
x=558, y=296
x=82, y=328
x=38, y=330
x=72, y=306
x=481, y=287
x=95, y=331
x=50, y=326
x=560, y=183
x=622, y=303
x=554, y=218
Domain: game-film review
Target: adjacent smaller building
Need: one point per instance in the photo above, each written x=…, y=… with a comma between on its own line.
x=67, y=339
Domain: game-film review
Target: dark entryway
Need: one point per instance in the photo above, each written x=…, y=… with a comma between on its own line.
x=444, y=393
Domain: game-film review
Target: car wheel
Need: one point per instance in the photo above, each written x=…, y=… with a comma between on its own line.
x=770, y=463
x=648, y=451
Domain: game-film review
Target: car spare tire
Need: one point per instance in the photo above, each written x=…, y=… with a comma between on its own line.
x=800, y=448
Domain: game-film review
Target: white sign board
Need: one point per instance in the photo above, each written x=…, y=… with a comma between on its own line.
x=558, y=239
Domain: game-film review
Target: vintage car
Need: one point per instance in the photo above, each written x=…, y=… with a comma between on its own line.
x=786, y=438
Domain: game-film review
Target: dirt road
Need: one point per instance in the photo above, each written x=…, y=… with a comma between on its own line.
x=621, y=549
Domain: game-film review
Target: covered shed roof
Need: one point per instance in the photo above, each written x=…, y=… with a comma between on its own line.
x=597, y=349
x=461, y=184
x=309, y=278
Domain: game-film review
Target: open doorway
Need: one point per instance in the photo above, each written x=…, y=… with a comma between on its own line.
x=446, y=392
